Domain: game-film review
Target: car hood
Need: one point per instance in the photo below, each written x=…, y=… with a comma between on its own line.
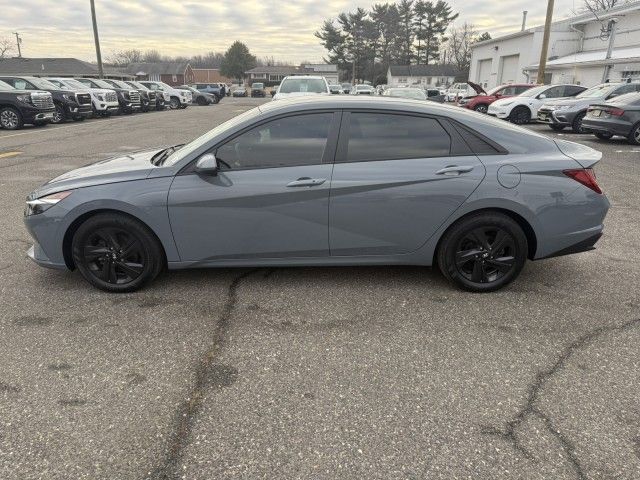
x=132, y=166
x=479, y=90
x=297, y=94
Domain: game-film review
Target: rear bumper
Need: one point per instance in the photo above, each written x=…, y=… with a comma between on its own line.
x=615, y=127
x=584, y=245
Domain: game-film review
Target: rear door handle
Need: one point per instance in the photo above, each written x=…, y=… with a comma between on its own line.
x=307, y=182
x=454, y=170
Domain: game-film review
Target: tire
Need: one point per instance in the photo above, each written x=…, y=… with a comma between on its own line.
x=201, y=101
x=482, y=108
x=10, y=118
x=174, y=104
x=39, y=124
x=520, y=115
x=557, y=128
x=59, y=116
x=634, y=135
x=467, y=252
x=576, y=126
x=215, y=100
x=78, y=119
x=116, y=253
x=183, y=106
x=603, y=135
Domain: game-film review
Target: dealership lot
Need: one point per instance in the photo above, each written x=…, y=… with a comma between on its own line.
x=383, y=372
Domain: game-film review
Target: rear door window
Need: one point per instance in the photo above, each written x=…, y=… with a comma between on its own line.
x=382, y=136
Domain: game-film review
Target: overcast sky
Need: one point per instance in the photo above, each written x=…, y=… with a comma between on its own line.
x=283, y=29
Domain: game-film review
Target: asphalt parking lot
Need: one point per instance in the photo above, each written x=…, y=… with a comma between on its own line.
x=314, y=373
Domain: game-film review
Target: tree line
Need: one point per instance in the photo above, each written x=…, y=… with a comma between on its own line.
x=363, y=43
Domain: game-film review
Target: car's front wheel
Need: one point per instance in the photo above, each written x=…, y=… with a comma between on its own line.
x=10, y=118
x=603, y=135
x=175, y=103
x=116, y=253
x=576, y=126
x=520, y=116
x=482, y=108
x=483, y=252
x=634, y=135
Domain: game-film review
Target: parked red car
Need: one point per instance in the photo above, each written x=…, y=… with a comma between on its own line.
x=481, y=101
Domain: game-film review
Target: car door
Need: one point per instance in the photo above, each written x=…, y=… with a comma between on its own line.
x=396, y=179
x=269, y=199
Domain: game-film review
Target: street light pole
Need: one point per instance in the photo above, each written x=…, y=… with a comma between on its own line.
x=545, y=43
x=18, y=41
x=97, y=40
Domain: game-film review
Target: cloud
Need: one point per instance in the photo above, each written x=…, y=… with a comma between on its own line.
x=280, y=28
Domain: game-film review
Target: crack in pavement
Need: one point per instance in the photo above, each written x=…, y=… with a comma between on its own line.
x=188, y=410
x=530, y=409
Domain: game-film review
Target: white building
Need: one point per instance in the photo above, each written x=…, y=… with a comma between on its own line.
x=275, y=73
x=577, y=51
x=426, y=76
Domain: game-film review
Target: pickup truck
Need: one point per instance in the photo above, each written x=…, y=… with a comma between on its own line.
x=128, y=99
x=104, y=101
x=18, y=107
x=177, y=98
x=69, y=104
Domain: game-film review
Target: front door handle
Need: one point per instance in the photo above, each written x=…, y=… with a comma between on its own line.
x=307, y=182
x=454, y=170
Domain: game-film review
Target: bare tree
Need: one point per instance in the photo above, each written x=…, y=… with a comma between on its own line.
x=598, y=6
x=6, y=47
x=459, y=44
x=122, y=58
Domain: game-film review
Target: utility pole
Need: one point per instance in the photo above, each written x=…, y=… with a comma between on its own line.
x=18, y=41
x=612, y=40
x=97, y=40
x=545, y=42
x=524, y=20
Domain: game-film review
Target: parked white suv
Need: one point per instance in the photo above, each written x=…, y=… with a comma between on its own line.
x=176, y=98
x=302, y=85
x=458, y=90
x=522, y=108
x=103, y=100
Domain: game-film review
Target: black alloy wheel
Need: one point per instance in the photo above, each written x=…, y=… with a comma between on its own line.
x=483, y=252
x=520, y=116
x=175, y=103
x=634, y=135
x=116, y=253
x=576, y=126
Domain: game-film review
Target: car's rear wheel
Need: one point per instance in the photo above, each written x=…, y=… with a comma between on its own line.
x=482, y=108
x=603, y=135
x=634, y=135
x=116, y=253
x=10, y=118
x=483, y=252
x=557, y=128
x=576, y=126
x=520, y=116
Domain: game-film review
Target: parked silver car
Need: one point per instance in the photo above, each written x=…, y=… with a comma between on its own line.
x=327, y=180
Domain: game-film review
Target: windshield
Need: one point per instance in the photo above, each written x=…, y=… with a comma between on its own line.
x=602, y=90
x=257, y=85
x=101, y=83
x=5, y=86
x=363, y=87
x=120, y=84
x=43, y=84
x=74, y=83
x=59, y=84
x=303, y=85
x=532, y=92
x=632, y=98
x=178, y=155
x=413, y=93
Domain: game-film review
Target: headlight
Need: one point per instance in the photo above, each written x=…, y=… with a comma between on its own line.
x=69, y=97
x=24, y=98
x=42, y=204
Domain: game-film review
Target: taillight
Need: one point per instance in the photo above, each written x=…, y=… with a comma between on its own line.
x=585, y=176
x=616, y=112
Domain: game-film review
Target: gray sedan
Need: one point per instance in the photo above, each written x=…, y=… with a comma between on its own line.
x=336, y=180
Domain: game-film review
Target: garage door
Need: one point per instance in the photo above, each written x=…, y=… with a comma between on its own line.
x=484, y=72
x=510, y=69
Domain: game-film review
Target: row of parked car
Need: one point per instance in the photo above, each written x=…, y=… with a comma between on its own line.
x=43, y=100
x=606, y=110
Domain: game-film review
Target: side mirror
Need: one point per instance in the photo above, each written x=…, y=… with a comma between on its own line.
x=207, y=164
x=542, y=96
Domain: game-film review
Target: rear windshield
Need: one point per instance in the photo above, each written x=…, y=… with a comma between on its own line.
x=305, y=85
x=257, y=85
x=597, y=91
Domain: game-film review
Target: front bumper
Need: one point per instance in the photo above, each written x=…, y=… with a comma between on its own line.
x=36, y=254
x=556, y=117
x=498, y=112
x=33, y=114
